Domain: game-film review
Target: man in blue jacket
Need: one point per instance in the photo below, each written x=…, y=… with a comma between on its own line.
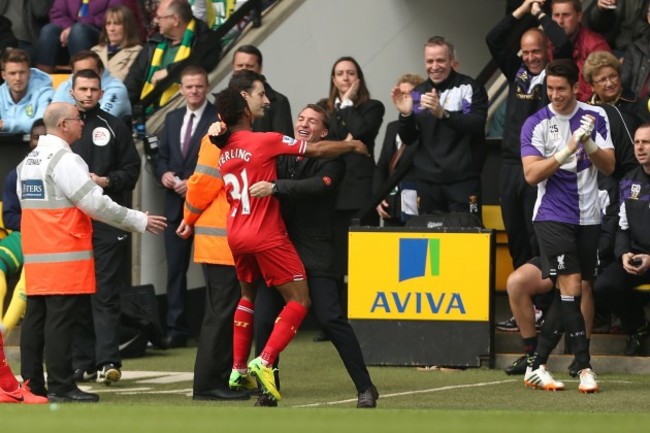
x=24, y=95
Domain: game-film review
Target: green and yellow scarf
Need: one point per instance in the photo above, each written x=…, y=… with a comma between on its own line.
x=156, y=62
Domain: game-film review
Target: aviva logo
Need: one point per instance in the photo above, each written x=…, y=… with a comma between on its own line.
x=413, y=254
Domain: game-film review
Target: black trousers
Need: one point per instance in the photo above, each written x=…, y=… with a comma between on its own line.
x=327, y=310
x=50, y=322
x=214, y=354
x=517, y=200
x=463, y=196
x=614, y=288
x=97, y=338
x=178, y=252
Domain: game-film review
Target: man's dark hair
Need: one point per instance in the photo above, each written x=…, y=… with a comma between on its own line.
x=322, y=111
x=563, y=68
x=194, y=70
x=250, y=49
x=15, y=55
x=231, y=107
x=181, y=8
x=38, y=123
x=86, y=73
x=87, y=54
x=243, y=80
x=577, y=4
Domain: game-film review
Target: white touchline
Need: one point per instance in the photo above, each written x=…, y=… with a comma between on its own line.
x=420, y=391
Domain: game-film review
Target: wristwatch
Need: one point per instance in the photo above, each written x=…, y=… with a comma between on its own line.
x=274, y=188
x=108, y=182
x=445, y=114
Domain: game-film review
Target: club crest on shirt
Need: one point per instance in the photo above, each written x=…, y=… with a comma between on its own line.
x=29, y=110
x=288, y=140
x=635, y=190
x=101, y=136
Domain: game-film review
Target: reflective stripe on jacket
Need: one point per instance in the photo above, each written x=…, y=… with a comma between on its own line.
x=206, y=208
x=56, y=235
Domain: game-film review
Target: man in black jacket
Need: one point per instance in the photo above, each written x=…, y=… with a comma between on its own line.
x=277, y=116
x=106, y=145
x=180, y=36
x=306, y=188
x=632, y=249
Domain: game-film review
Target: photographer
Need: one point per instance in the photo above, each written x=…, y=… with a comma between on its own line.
x=615, y=285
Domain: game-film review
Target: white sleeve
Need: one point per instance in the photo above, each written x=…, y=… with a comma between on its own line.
x=73, y=179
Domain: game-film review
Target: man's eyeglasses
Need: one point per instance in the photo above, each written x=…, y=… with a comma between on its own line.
x=160, y=17
x=78, y=118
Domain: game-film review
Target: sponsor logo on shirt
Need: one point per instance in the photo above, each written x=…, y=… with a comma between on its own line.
x=32, y=189
x=288, y=140
x=101, y=136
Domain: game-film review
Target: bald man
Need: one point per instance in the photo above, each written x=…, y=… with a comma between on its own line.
x=59, y=199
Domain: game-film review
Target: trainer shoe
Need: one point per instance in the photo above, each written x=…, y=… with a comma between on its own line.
x=635, y=340
x=11, y=396
x=265, y=376
x=518, y=367
x=541, y=379
x=84, y=376
x=108, y=374
x=588, y=382
x=368, y=398
x=265, y=400
x=509, y=325
x=29, y=397
x=239, y=381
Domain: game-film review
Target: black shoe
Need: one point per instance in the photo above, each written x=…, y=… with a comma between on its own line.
x=508, y=325
x=73, y=396
x=80, y=375
x=518, y=367
x=634, y=342
x=265, y=400
x=368, y=398
x=174, y=342
x=321, y=337
x=573, y=368
x=222, y=394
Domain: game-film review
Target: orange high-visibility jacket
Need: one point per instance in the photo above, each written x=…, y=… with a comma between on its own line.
x=58, y=200
x=206, y=208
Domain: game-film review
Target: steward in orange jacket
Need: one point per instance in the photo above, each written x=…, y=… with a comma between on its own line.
x=206, y=210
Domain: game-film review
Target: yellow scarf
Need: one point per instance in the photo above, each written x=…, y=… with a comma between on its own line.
x=183, y=52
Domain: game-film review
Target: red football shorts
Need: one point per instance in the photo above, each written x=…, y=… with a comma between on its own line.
x=278, y=265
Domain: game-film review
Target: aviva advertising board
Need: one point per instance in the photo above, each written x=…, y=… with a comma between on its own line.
x=419, y=276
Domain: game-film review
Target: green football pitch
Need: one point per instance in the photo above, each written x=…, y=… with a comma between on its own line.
x=155, y=396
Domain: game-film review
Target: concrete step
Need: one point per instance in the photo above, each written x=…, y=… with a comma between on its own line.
x=611, y=364
x=601, y=344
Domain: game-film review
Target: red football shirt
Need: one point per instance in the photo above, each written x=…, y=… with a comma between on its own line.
x=254, y=224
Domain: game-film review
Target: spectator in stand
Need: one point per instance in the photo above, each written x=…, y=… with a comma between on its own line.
x=74, y=26
x=277, y=117
x=24, y=95
x=620, y=21
x=114, y=98
x=119, y=42
x=179, y=37
x=635, y=73
x=632, y=250
x=27, y=17
x=567, y=14
x=401, y=203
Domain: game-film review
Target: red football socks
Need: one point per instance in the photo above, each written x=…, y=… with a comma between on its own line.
x=243, y=334
x=7, y=380
x=286, y=327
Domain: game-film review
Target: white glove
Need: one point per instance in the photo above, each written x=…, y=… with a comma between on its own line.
x=587, y=124
x=579, y=134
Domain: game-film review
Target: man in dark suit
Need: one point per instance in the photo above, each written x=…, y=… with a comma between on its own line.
x=178, y=153
x=277, y=116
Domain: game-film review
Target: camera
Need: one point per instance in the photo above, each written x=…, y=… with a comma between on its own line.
x=636, y=262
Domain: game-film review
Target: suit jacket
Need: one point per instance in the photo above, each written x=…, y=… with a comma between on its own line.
x=170, y=158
